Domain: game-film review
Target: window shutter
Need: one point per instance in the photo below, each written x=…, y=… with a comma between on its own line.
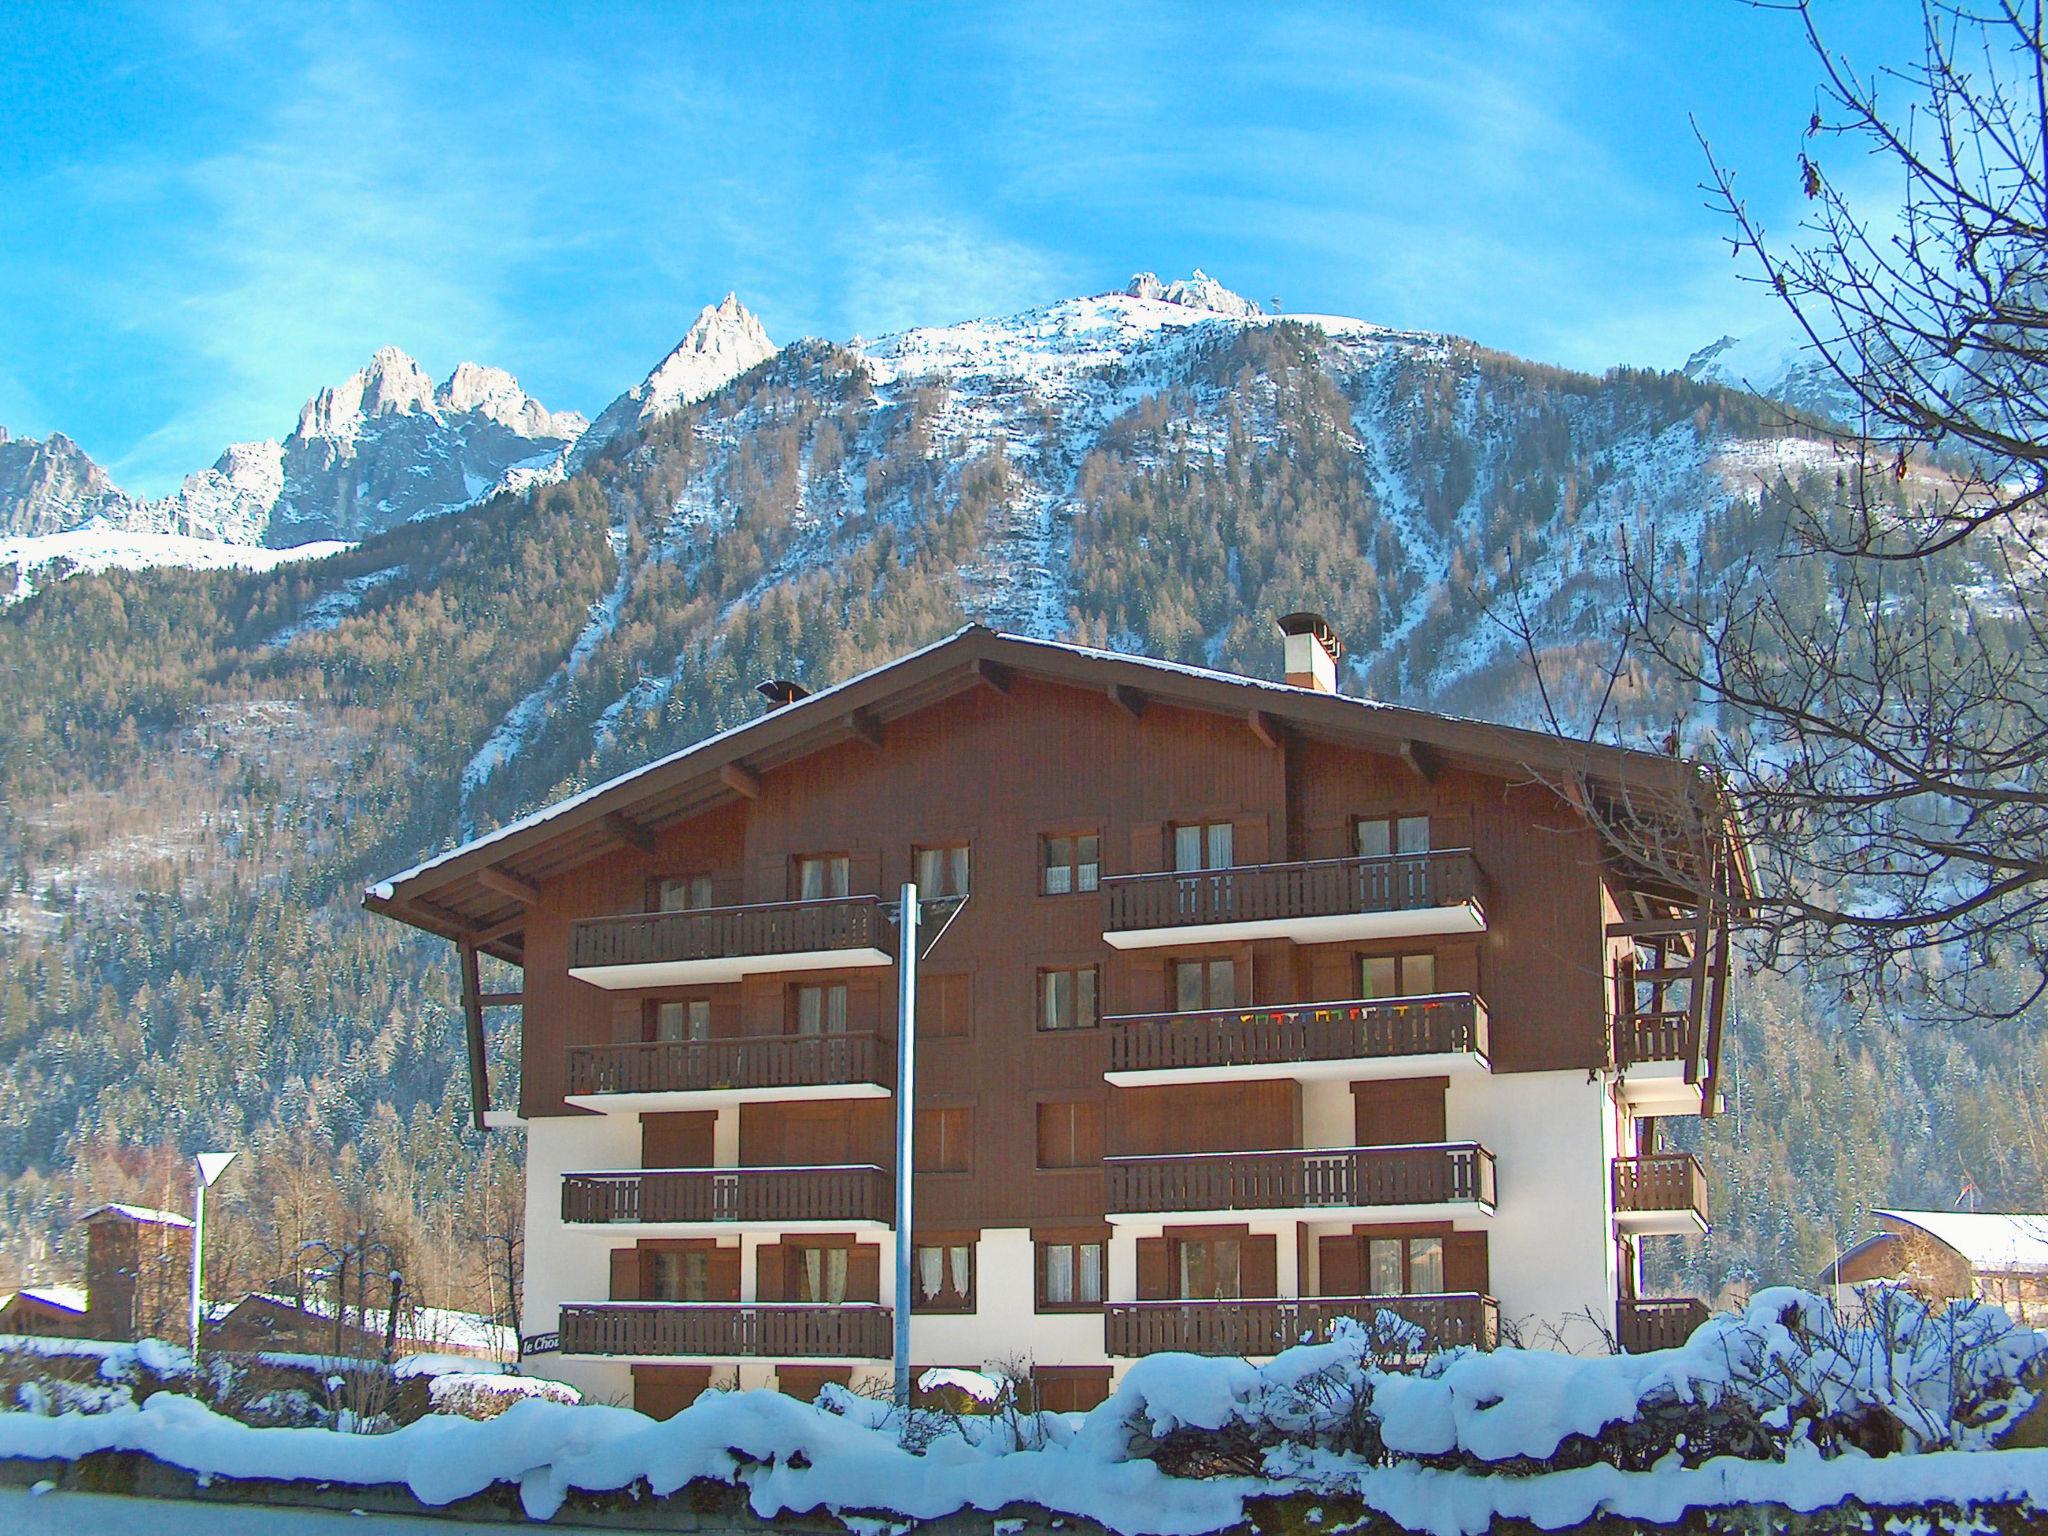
x=864, y=873
x=1259, y=1275
x=725, y=1274
x=1252, y=838
x=1465, y=1266
x=774, y=880
x=1457, y=968
x=1399, y=1113
x=628, y=1019
x=864, y=1273
x=625, y=1274
x=1148, y=847
x=1088, y=1133
x=1340, y=1276
x=1155, y=1269
x=678, y=1140
x=768, y=1272
x=1329, y=837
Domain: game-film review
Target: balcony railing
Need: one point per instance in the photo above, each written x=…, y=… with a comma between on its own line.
x=844, y=1331
x=1238, y=1327
x=704, y=1196
x=1264, y=893
x=1436, y=1174
x=1643, y=1324
x=1645, y=1037
x=1666, y=1182
x=727, y=933
x=1452, y=1023
x=711, y=1066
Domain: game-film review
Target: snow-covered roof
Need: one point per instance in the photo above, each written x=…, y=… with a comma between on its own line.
x=1998, y=1242
x=66, y=1298
x=418, y=1325
x=141, y=1213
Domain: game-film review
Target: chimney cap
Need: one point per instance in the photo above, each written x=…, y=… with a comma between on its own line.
x=779, y=691
x=1307, y=623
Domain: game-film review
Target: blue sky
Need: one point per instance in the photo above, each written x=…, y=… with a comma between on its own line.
x=212, y=212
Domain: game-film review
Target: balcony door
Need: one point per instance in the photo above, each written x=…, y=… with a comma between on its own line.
x=1402, y=842
x=822, y=876
x=1200, y=849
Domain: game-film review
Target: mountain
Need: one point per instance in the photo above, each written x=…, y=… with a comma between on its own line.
x=723, y=342
x=53, y=486
x=1779, y=363
x=207, y=765
x=383, y=446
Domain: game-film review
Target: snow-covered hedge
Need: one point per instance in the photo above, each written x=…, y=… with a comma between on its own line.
x=480, y=1396
x=1474, y=1437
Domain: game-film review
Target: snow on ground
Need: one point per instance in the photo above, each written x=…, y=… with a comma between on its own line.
x=64, y=1513
x=54, y=556
x=330, y=608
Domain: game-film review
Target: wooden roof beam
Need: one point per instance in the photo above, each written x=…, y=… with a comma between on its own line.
x=1264, y=726
x=1421, y=759
x=866, y=727
x=1128, y=699
x=741, y=780
x=623, y=829
x=494, y=879
x=991, y=674
x=502, y=999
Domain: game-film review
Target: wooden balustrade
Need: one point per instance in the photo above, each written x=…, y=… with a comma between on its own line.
x=1302, y=1180
x=845, y=1331
x=749, y=1061
x=1649, y=1036
x=1400, y=882
x=1452, y=1023
x=1264, y=1327
x=725, y=933
x=1664, y=1181
x=1646, y=1323
x=708, y=1195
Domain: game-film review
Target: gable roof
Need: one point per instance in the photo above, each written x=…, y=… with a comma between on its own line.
x=446, y=895
x=1990, y=1242
x=136, y=1213
x=58, y=1298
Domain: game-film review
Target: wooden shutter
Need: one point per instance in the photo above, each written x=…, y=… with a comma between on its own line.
x=774, y=880
x=629, y=1015
x=1155, y=1269
x=864, y=1273
x=663, y=1391
x=1399, y=1113
x=769, y=1273
x=1341, y=1274
x=1329, y=837
x=942, y=1005
x=864, y=872
x=1457, y=968
x=678, y=1140
x=1087, y=1133
x=1252, y=839
x=1148, y=847
x=1258, y=1268
x=625, y=1274
x=1465, y=1265
x=723, y=1281
x=725, y=1016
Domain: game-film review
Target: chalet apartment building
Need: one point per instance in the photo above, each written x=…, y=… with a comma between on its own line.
x=1266, y=1007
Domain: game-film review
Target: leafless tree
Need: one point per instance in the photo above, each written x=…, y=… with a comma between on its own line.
x=1878, y=658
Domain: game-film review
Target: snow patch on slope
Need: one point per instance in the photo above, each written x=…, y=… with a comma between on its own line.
x=53, y=556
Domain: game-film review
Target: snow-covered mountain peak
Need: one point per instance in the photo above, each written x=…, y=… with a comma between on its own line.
x=723, y=342
x=494, y=393
x=391, y=384
x=1200, y=291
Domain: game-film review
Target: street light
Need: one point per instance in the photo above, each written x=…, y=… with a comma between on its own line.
x=211, y=1166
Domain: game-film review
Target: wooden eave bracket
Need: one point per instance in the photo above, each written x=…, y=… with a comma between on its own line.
x=1264, y=726
x=625, y=830
x=1128, y=699
x=991, y=674
x=866, y=728
x=509, y=886
x=1421, y=759
x=740, y=780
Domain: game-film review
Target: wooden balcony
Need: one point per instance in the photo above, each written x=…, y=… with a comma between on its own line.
x=1652, y=1053
x=731, y=1199
x=662, y=1330
x=1381, y=1037
x=1318, y=901
x=1240, y=1327
x=720, y=944
x=1343, y=1183
x=674, y=1074
x=1660, y=1195
x=1642, y=1324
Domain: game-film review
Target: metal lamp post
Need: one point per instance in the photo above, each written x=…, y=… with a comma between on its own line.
x=210, y=1165
x=906, y=1060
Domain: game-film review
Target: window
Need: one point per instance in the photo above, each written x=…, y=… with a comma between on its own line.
x=945, y=1141
x=1066, y=998
x=1397, y=976
x=682, y=1021
x=941, y=871
x=677, y=1275
x=1070, y=1134
x=1069, y=864
x=1411, y=1266
x=1200, y=984
x=1202, y=845
x=1379, y=836
x=821, y=876
x=1210, y=1268
x=683, y=893
x=943, y=1274
x=819, y=1010
x=1070, y=1274
x=820, y=1274
x=945, y=1006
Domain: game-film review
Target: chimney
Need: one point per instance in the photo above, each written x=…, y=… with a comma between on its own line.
x=1312, y=651
x=779, y=691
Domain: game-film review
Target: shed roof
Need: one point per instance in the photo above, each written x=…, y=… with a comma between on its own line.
x=1989, y=1241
